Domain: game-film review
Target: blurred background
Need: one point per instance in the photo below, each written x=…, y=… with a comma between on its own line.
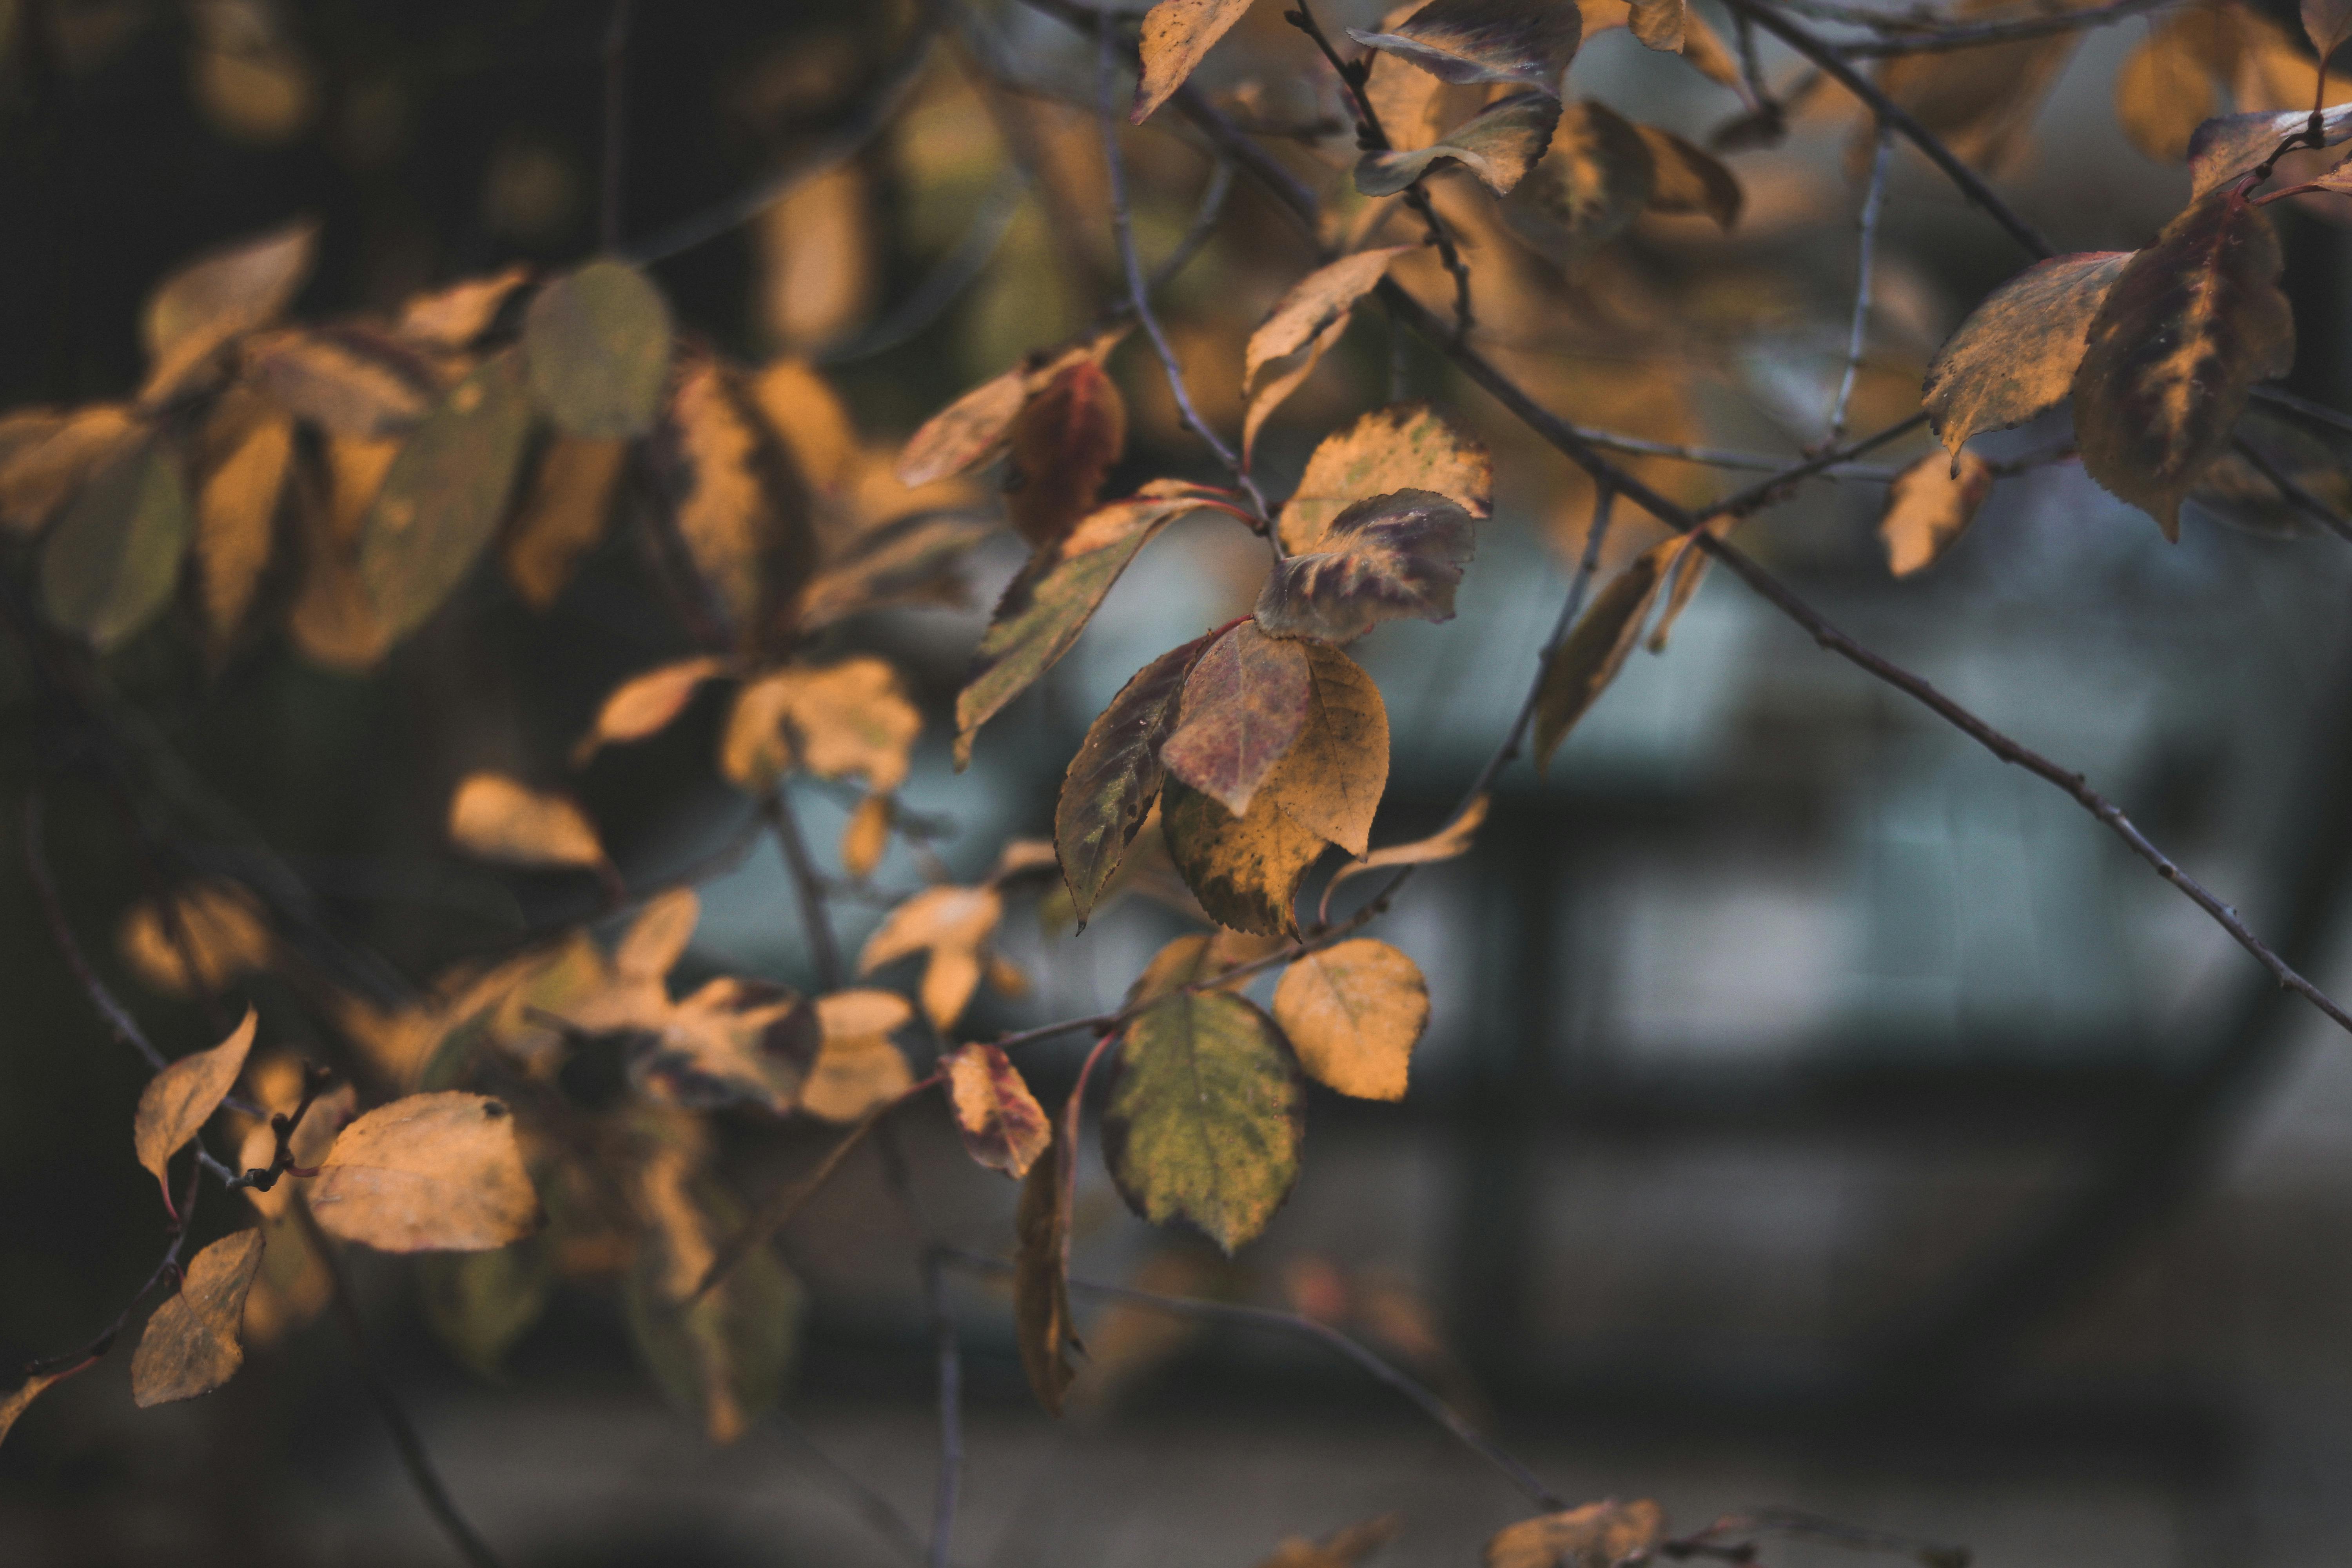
x=1814, y=1111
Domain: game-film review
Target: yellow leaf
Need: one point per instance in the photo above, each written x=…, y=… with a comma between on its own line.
x=46, y=457
x=1929, y=507
x=1407, y=445
x=1597, y=1535
x=1980, y=102
x=237, y=512
x=1176, y=35
x=1303, y=325
x=645, y=704
x=951, y=923
x=213, y=926
x=868, y=835
x=1453, y=839
x=2165, y=87
x=430, y=1172
x=2015, y=355
x=807, y=415
x=190, y=1345
x=1003, y=1125
x=333, y=620
x=179, y=1101
x=201, y=307
x=857, y=1068
x=496, y=818
x=351, y=382
x=851, y=719
x=1354, y=1012
x=14, y=1406
x=657, y=937
x=563, y=516
x=818, y=266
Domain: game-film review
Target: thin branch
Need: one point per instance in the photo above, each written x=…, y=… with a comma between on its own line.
x=1872, y=203
x=950, y=1377
x=2296, y=496
x=1801, y=1525
x=2317, y=412
x=616, y=106
x=124, y=1027
x=808, y=887
x=167, y=1267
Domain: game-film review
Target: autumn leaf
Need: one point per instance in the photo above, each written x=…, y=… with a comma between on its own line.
x=179, y=1101
x=1596, y=179
x=1041, y=1288
x=453, y=316
x=1980, y=102
x=1499, y=146
x=1686, y=180
x=1929, y=507
x=1354, y=1012
x=1303, y=325
x=2016, y=354
x=46, y=459
x=1003, y=1125
x=1205, y=1118
x=731, y=1042
x=192, y=1345
x=236, y=523
x=562, y=515
x=1176, y=35
x=1342, y=1548
x=1063, y=444
x=751, y=544
x=1589, y=656
x=496, y=818
x=444, y=497
x=350, y=381
x=950, y=924
x=1597, y=1535
x=2164, y=90
x=214, y=928
x=2189, y=324
x=1048, y=604
x=1447, y=843
x=430, y=1172
x=2230, y=145
x=1406, y=445
x=968, y=431
x=1243, y=704
x=910, y=560
x=839, y=720
x=1116, y=775
x=1658, y=24
x=597, y=345
x=808, y=417
x=866, y=837
x=1383, y=558
x=858, y=1069
x=113, y=560
x=2326, y=23
x=1517, y=41
x=479, y=1304
x=645, y=704
x=20, y=1399
x=197, y=310
x=1195, y=960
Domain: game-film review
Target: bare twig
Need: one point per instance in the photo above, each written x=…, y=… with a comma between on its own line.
x=124, y=1027
x=1873, y=202
x=808, y=887
x=2296, y=496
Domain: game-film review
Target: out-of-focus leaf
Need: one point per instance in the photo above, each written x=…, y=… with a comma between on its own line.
x=866, y=837
x=481, y=1303
x=596, y=341
x=1596, y=179
x=1115, y=776
x=1048, y=604
x=819, y=265
x=1041, y=1281
x=1406, y=445
x=1597, y=1535
x=1524, y=41
x=968, y=431
x=190, y=1345
x=841, y=721
x=1658, y=24
x=1354, y=1012
x=562, y=515
x=201, y=307
x=1499, y=146
x=2326, y=23
x=452, y=317
x=44, y=457
x=952, y=924
x=1929, y=506
x=1980, y=102
x=1205, y=1118
x=1686, y=180
x=236, y=514
x=350, y=382
x=645, y=704
x=1064, y=444
x=2164, y=90
x=747, y=531
x=1003, y=1125
x=215, y=927
x=2242, y=495
x=858, y=1068
x=733, y=1042
x=1702, y=48
x=1340, y=1549
x=179, y=1101
x=902, y=560
x=444, y=497
x=1589, y=656
x=2189, y=324
x=2015, y=355
x=113, y=560
x=1191, y=960
x=808, y=417
x=429, y=1173
x=1383, y=558
x=1176, y=35
x=493, y=816
x=1302, y=326
x=2232, y=144
x=1243, y=706
x=1452, y=841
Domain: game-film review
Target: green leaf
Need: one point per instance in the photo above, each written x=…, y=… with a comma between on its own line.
x=115, y=555
x=1381, y=560
x=597, y=342
x=1243, y=706
x=1525, y=41
x=1116, y=775
x=1499, y=144
x=1205, y=1116
x=444, y=497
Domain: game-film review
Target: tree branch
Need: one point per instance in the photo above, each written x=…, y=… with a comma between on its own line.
x=1873, y=202
x=808, y=887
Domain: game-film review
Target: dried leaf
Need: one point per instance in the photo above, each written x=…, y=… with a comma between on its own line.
x=1245, y=704
x=563, y=516
x=179, y=1101
x=191, y=1346
x=2016, y=354
x=1980, y=102
x=1589, y=658
x=430, y=1172
x=1003, y=1125
x=1499, y=146
x=20, y=1400
x=2164, y=90
x=345, y=381
x=841, y=721
x=967, y=431
x=1192, y=961
x=645, y=704
x=1383, y=558
x=1596, y=179
x=1114, y=777
x=1406, y=445
x=1340, y=1549
x=1064, y=444
x=496, y=818
x=597, y=342
x=1597, y=1535
x=1048, y=604
x=215, y=927
x=1041, y=1288
x=201, y=307
x=1658, y=24
x=1452, y=841
x=1205, y=1117
x=1523, y=41
x=911, y=560
x=1929, y=506
x=2230, y=145
x=237, y=512
x=113, y=560
x=2326, y=23
x=1354, y=1012
x=751, y=552
x=950, y=924
x=451, y=318
x=1176, y=35
x=858, y=1068
x=867, y=836
x=733, y=1042
x=808, y=417
x=1686, y=180
x=2189, y=326
x=657, y=937
x=1302, y=326
x=45, y=457
x=444, y=496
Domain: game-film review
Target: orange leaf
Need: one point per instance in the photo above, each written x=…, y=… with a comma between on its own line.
x=179, y=1101
x=1003, y=1125
x=430, y=1172
x=1929, y=506
x=191, y=1346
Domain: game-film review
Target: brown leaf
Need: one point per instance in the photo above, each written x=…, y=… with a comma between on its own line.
x=191, y=1346
x=201, y=307
x=912, y=560
x=496, y=818
x=111, y=563
x=1406, y=445
x=1499, y=144
x=20, y=1399
x=562, y=515
x=733, y=1042
x=1383, y=558
x=45, y=457
x=1354, y=1012
x=645, y=704
x=839, y=720
x=1302, y=326
x=350, y=382
x=1929, y=506
x=2164, y=90
x=213, y=926
x=2189, y=326
x=1597, y=1535
x=657, y=937
x=2015, y=355
x=743, y=513
x=1003, y=1125
x=1589, y=656
x=1453, y=839
x=452, y=317
x=967, y=431
x=430, y=1172
x=1596, y=179
x=1064, y=443
x=1523, y=41
x=597, y=342
x=236, y=514
x=1686, y=180
x=179, y=1101
x=1245, y=704
x=858, y=1069
x=1658, y=24
x=1176, y=35
x=2230, y=145
x=1115, y=776
x=1041, y=1281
